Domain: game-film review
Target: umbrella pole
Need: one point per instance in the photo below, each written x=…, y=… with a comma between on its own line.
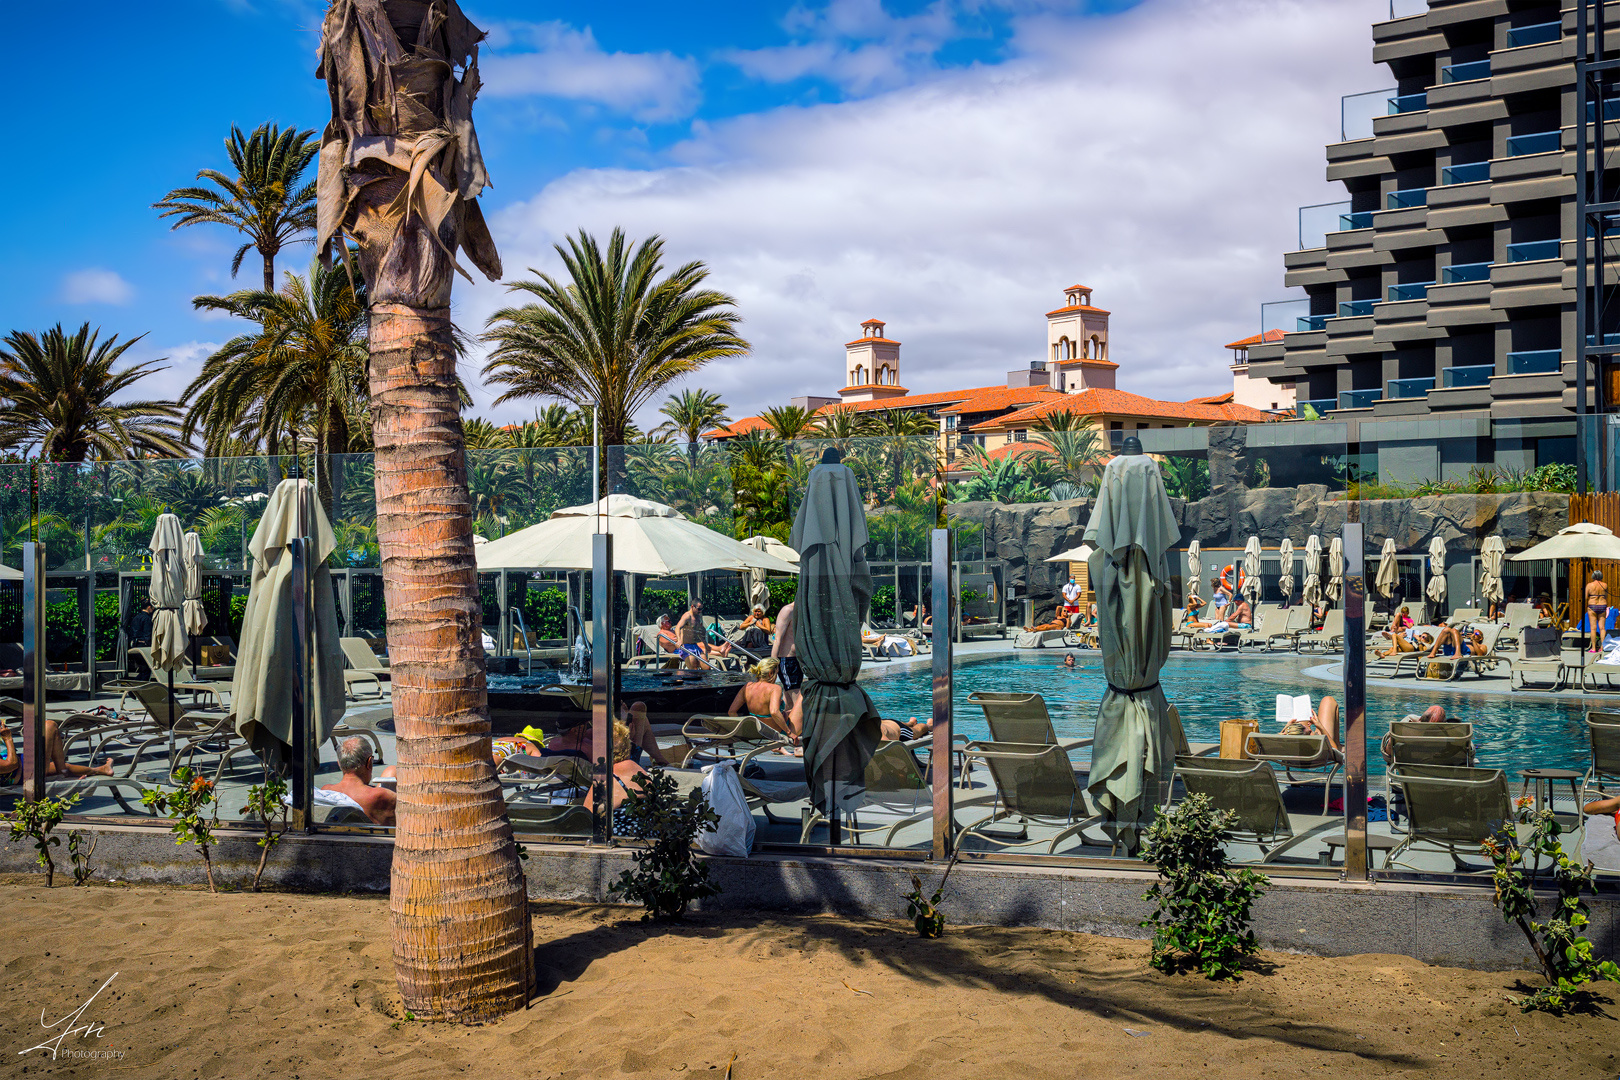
x=172, y=719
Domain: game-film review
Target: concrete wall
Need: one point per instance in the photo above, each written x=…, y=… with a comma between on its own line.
x=1437, y=924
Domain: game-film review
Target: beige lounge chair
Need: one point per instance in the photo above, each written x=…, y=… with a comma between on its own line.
x=725, y=737
x=1330, y=637
x=1540, y=660
x=1247, y=789
x=1269, y=622
x=1034, y=783
x=894, y=784
x=1603, y=736
x=1298, y=753
x=1452, y=808
x=361, y=658
x=1021, y=718
x=1410, y=743
x=1449, y=667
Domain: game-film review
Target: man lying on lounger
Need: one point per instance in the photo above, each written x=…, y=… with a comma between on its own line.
x=1448, y=641
x=377, y=803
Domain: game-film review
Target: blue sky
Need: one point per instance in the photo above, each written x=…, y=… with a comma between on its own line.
x=946, y=165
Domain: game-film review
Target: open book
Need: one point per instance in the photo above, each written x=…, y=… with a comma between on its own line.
x=1294, y=709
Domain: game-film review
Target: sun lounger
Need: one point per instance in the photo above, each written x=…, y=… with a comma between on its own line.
x=1329, y=638
x=894, y=784
x=1540, y=660
x=1269, y=622
x=1464, y=616
x=1409, y=743
x=1302, y=753
x=1518, y=617
x=360, y=657
x=1038, y=639
x=1021, y=718
x=1603, y=736
x=723, y=737
x=1183, y=747
x=1182, y=634
x=1449, y=667
x=1247, y=789
x=1034, y=783
x=1453, y=808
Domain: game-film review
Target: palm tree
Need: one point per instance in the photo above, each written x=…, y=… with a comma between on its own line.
x=614, y=334
x=789, y=421
x=304, y=365
x=405, y=190
x=56, y=399
x=691, y=413
x=1072, y=445
x=908, y=438
x=480, y=434
x=263, y=202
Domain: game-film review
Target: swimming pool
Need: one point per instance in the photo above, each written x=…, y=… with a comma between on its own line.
x=1510, y=732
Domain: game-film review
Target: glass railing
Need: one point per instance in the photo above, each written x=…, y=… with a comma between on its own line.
x=1405, y=9
x=1536, y=34
x=1320, y=406
x=1311, y=323
x=1407, y=198
x=1356, y=308
x=1469, y=375
x=1470, y=173
x=1357, y=112
x=1409, y=388
x=1534, y=361
x=1360, y=219
x=1533, y=250
x=1608, y=339
x=1540, y=142
x=1316, y=221
x=1455, y=73
x=1409, y=290
x=1611, y=110
x=1458, y=273
x=1406, y=103
x=1359, y=399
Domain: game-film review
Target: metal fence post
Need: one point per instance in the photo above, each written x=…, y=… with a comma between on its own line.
x=33, y=742
x=602, y=686
x=943, y=609
x=303, y=761
x=1355, y=705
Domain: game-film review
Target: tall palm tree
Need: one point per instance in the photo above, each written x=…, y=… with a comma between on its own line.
x=907, y=438
x=1072, y=445
x=56, y=399
x=691, y=413
x=267, y=200
x=400, y=175
x=305, y=365
x=614, y=333
x=789, y=421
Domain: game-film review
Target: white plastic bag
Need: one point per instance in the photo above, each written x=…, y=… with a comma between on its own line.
x=735, y=833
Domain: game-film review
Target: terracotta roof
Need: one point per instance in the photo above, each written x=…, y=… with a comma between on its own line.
x=1268, y=338
x=874, y=386
x=1086, y=360
x=972, y=400
x=1076, y=307
x=1071, y=288
x=746, y=426
x=910, y=401
x=1120, y=403
x=1214, y=399
x=996, y=398
x=1011, y=450
x=870, y=341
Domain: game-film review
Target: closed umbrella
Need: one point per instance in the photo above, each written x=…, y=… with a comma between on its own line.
x=1313, y=570
x=1251, y=570
x=1195, y=572
x=268, y=656
x=1387, y=577
x=1285, y=581
x=758, y=591
x=191, y=558
x=1436, y=590
x=841, y=728
x=1490, y=569
x=1335, y=581
x=168, y=593
x=1133, y=752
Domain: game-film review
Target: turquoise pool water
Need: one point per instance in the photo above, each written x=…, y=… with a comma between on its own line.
x=1510, y=732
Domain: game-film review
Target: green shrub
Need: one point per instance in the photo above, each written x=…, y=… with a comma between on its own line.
x=37, y=822
x=267, y=801
x=1201, y=906
x=1567, y=959
x=668, y=875
x=187, y=806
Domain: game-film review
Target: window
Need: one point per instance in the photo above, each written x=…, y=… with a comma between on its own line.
x=860, y=376
x=1096, y=347
x=1116, y=425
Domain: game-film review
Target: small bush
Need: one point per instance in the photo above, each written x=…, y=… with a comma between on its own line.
x=267, y=801
x=187, y=806
x=668, y=875
x=37, y=821
x=1566, y=957
x=1201, y=906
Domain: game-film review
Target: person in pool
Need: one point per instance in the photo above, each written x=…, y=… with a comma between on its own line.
x=1068, y=661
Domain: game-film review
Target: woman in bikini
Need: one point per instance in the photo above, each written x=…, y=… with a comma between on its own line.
x=762, y=698
x=1402, y=643
x=56, y=762
x=1597, y=608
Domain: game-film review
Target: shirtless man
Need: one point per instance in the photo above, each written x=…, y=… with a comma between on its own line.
x=354, y=758
x=689, y=635
x=786, y=652
x=1597, y=608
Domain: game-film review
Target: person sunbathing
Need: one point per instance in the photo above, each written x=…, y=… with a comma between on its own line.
x=754, y=632
x=1449, y=641
x=56, y=762
x=634, y=716
x=354, y=758
x=761, y=698
x=626, y=773
x=1323, y=721
x=898, y=730
x=1405, y=643
x=1242, y=616
x=1059, y=622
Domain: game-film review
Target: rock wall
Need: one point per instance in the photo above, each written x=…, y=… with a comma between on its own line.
x=1022, y=536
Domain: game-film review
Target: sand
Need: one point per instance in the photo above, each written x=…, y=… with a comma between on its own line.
x=299, y=986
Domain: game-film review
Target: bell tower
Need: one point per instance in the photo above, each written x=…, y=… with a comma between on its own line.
x=1077, y=344
x=872, y=365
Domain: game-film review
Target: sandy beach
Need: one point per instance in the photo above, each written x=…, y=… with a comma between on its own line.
x=296, y=986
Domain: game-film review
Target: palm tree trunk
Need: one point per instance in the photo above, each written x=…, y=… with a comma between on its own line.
x=269, y=273
x=461, y=941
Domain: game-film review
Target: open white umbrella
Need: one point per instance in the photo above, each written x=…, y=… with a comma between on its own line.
x=1387, y=576
x=648, y=538
x=168, y=593
x=1133, y=752
x=1313, y=570
x=1285, y=558
x=1251, y=570
x=191, y=558
x=1491, y=553
x=1078, y=554
x=1436, y=590
x=1335, y=581
x=1580, y=541
x=1195, y=572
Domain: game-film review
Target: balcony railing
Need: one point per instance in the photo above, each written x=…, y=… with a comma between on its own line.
x=1611, y=110
x=1534, y=361
x=1409, y=290
x=1319, y=219
x=1407, y=198
x=1406, y=103
x=1359, y=399
x=1478, y=69
x=1459, y=272
x=1321, y=406
x=1313, y=322
x=1469, y=173
x=1537, y=34
x=1533, y=250
x=1541, y=142
x=1409, y=388
x=1360, y=219
x=1356, y=308
x=1469, y=375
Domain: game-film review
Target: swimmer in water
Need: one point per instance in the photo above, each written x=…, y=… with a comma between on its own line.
x=1068, y=661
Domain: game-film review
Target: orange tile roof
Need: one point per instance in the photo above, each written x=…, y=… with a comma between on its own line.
x=878, y=385
x=995, y=398
x=746, y=426
x=1086, y=360
x=871, y=341
x=1120, y=403
x=1071, y=288
x=1076, y=307
x=1012, y=449
x=1214, y=399
x=1270, y=337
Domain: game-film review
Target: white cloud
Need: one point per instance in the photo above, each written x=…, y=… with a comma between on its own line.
x=555, y=60
x=179, y=365
x=96, y=286
x=1157, y=155
x=855, y=44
